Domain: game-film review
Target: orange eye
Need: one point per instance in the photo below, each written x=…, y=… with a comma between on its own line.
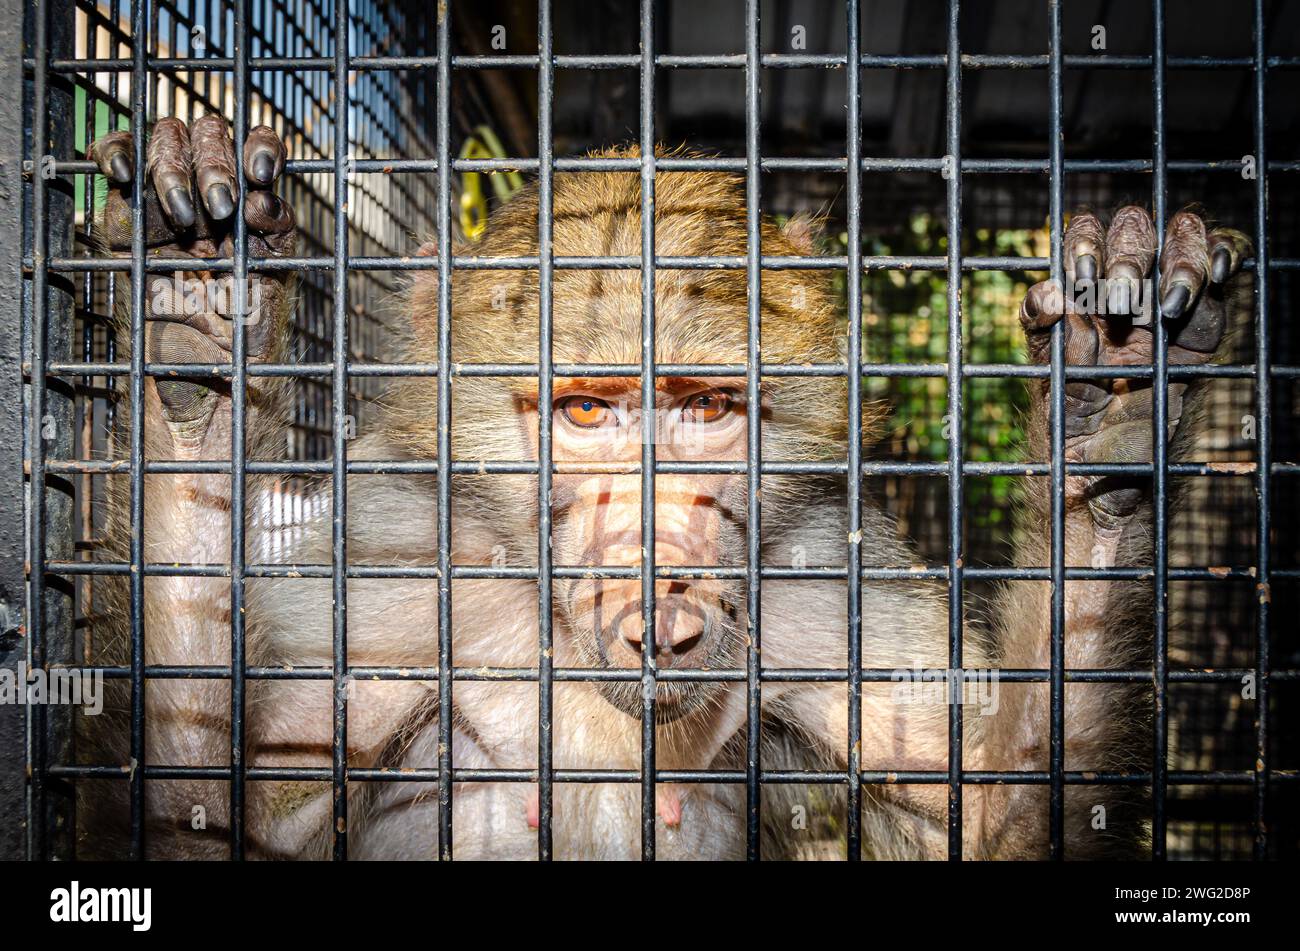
x=586, y=411
x=707, y=407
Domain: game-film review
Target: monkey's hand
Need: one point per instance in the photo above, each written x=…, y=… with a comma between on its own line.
x=190, y=185
x=1108, y=303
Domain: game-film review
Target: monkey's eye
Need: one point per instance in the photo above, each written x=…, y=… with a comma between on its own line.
x=586, y=411
x=707, y=407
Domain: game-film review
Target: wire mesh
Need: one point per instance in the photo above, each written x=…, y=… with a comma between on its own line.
x=363, y=95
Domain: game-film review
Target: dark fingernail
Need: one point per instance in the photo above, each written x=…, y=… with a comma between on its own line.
x=180, y=207
x=263, y=168
x=1086, y=267
x=220, y=204
x=1031, y=306
x=1220, y=264
x=1175, y=300
x=120, y=168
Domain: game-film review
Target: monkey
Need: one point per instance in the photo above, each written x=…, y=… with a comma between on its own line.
x=701, y=623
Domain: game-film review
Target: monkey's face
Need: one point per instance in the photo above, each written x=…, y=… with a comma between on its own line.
x=598, y=424
x=698, y=522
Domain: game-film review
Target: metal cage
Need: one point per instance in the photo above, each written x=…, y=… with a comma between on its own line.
x=363, y=94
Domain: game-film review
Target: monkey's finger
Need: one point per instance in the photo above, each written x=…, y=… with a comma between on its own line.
x=169, y=163
x=1130, y=406
x=112, y=153
x=214, y=165
x=1120, y=442
x=1228, y=248
x=264, y=156
x=1130, y=252
x=1043, y=305
x=1041, y=308
x=267, y=213
x=1184, y=264
x=1126, y=433
x=1084, y=248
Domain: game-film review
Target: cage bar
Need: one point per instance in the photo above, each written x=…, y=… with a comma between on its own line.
x=853, y=151
x=649, y=671
x=139, y=113
x=1056, y=234
x=1160, y=452
x=238, y=440
x=1263, y=443
x=445, y=682
x=753, y=435
x=545, y=384
x=956, y=437
x=339, y=423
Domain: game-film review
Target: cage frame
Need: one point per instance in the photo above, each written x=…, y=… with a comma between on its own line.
x=31, y=316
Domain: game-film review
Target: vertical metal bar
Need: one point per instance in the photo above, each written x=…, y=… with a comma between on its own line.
x=956, y=436
x=545, y=384
x=90, y=323
x=238, y=438
x=853, y=154
x=114, y=49
x=649, y=418
x=754, y=432
x=1160, y=451
x=1263, y=431
x=36, y=446
x=150, y=40
x=139, y=114
x=339, y=426
x=1056, y=743
x=443, y=227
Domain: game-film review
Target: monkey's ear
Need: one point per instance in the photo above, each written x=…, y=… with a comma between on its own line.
x=802, y=230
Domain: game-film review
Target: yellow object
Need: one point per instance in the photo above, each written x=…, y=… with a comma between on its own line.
x=484, y=144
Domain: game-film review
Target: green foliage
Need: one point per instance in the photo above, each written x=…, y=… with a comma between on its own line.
x=103, y=118
x=905, y=321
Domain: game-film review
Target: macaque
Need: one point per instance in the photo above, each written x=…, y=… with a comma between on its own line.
x=700, y=520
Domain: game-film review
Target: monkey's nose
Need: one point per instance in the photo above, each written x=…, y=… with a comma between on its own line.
x=677, y=632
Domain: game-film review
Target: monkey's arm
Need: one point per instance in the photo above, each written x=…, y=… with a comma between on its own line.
x=190, y=184
x=1108, y=523
x=1107, y=623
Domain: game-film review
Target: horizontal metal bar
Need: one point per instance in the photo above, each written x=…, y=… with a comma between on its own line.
x=719, y=776
x=633, y=370
x=166, y=265
x=680, y=675
x=972, y=61
x=671, y=572
x=289, y=467
x=772, y=163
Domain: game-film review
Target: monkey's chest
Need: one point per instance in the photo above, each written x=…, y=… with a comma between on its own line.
x=499, y=820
